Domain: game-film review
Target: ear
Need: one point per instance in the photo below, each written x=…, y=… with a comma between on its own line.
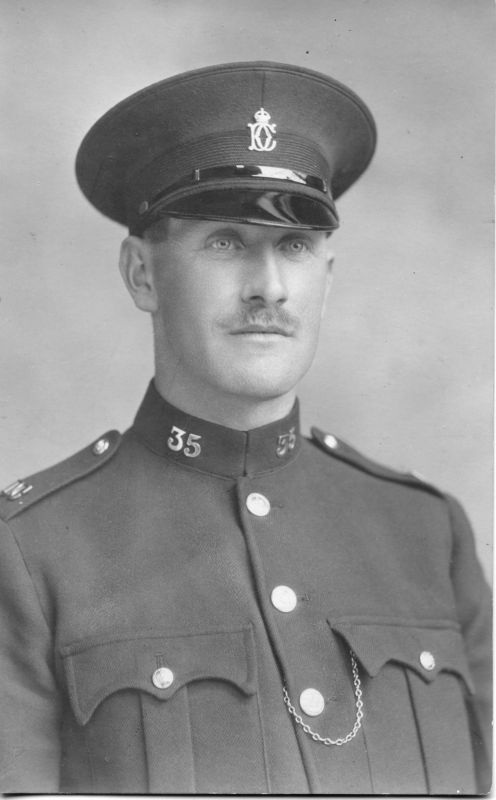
x=136, y=268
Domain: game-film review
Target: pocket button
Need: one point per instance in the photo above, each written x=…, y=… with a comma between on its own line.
x=427, y=660
x=162, y=678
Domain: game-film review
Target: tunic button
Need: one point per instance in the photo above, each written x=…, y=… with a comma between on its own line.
x=312, y=702
x=162, y=678
x=257, y=504
x=427, y=660
x=283, y=598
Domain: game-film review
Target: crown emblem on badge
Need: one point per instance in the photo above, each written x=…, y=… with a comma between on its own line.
x=262, y=132
x=262, y=116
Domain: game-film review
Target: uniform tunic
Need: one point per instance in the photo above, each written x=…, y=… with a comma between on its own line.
x=144, y=648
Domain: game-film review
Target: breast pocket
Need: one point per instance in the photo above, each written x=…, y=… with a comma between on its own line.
x=188, y=701
x=416, y=679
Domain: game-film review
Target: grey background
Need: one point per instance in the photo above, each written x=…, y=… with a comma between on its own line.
x=404, y=368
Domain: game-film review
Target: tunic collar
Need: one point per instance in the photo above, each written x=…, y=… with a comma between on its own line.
x=209, y=447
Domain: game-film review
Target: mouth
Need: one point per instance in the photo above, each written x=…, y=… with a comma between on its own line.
x=273, y=330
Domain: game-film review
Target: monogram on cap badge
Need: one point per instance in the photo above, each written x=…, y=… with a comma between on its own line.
x=262, y=132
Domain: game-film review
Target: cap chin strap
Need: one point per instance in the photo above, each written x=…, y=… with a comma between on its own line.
x=260, y=171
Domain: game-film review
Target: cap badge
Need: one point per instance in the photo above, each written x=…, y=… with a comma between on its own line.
x=262, y=132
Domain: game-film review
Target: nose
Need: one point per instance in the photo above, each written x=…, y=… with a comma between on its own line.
x=264, y=282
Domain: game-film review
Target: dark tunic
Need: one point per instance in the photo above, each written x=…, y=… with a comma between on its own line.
x=141, y=554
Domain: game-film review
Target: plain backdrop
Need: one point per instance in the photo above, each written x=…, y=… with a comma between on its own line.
x=404, y=368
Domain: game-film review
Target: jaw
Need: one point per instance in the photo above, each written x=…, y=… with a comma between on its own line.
x=262, y=366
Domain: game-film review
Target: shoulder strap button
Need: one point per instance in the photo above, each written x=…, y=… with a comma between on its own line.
x=101, y=446
x=330, y=441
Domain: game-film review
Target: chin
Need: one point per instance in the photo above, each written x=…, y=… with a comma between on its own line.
x=264, y=387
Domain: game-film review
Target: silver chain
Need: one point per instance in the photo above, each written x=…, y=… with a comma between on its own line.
x=359, y=712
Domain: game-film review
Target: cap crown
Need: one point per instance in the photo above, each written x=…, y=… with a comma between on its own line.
x=163, y=148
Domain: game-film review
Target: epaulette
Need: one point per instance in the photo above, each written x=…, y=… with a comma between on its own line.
x=22, y=494
x=344, y=452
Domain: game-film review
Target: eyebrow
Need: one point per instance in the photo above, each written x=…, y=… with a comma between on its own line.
x=295, y=234
x=224, y=231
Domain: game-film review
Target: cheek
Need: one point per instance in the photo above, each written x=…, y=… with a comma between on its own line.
x=187, y=310
x=174, y=313
x=312, y=291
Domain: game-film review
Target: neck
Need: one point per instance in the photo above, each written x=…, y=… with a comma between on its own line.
x=232, y=411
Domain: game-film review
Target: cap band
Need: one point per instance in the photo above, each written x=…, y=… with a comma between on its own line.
x=175, y=168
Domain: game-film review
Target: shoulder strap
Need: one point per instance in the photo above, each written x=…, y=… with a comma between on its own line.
x=22, y=494
x=344, y=452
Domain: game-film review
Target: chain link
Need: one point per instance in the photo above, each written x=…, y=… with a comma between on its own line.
x=358, y=705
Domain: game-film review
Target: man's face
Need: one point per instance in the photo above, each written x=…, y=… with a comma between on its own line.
x=238, y=307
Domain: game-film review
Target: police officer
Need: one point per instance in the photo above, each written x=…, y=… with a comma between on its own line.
x=211, y=602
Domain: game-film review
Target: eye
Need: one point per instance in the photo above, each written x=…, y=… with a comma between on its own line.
x=223, y=244
x=296, y=247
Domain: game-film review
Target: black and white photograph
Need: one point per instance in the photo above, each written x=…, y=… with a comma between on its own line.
x=246, y=406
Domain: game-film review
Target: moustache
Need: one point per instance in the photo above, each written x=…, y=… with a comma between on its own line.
x=270, y=317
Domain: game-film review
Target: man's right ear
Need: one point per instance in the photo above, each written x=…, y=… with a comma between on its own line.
x=135, y=264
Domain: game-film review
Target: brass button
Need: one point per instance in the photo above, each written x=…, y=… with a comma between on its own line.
x=312, y=702
x=162, y=678
x=330, y=441
x=427, y=660
x=284, y=599
x=100, y=447
x=257, y=504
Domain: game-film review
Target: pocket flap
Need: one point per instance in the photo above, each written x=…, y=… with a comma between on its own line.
x=97, y=668
x=428, y=650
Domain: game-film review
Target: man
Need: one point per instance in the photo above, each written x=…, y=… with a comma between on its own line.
x=211, y=602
